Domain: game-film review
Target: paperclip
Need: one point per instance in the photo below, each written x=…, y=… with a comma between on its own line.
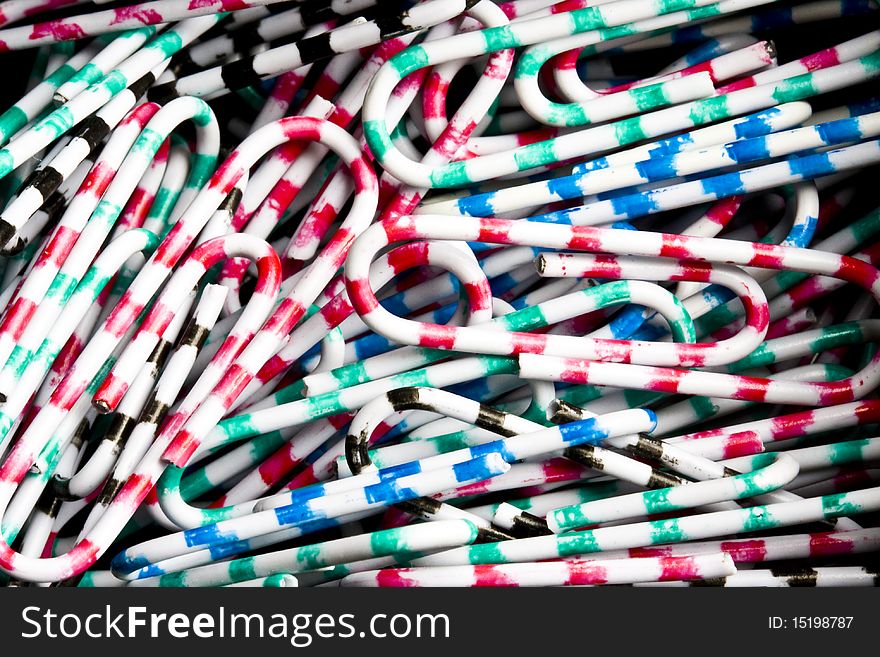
x=488, y=294
x=358, y=34
x=387, y=543
x=569, y=573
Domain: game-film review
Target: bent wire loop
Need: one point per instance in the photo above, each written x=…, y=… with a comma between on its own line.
x=476, y=290
x=176, y=441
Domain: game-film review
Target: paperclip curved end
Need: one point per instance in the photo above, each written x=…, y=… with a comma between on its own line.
x=128, y=566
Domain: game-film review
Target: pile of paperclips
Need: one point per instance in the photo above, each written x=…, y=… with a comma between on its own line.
x=440, y=293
